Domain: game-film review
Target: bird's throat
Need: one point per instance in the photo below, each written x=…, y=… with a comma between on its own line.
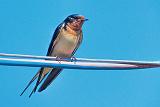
x=73, y=30
x=75, y=26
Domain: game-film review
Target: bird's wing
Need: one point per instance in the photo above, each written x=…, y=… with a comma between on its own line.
x=54, y=39
x=52, y=75
x=53, y=42
x=55, y=72
x=44, y=71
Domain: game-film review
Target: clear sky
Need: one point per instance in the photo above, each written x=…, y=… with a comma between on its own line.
x=117, y=29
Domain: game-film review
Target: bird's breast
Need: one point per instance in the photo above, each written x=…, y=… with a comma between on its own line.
x=66, y=45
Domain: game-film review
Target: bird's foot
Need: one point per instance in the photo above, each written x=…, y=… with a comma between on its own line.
x=73, y=59
x=59, y=59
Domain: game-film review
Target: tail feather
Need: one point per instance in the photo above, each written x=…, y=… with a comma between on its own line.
x=52, y=75
x=40, y=75
x=37, y=83
x=30, y=83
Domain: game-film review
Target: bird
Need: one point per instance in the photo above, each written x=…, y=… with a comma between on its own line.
x=64, y=43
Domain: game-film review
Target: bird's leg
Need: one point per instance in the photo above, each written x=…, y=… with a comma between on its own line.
x=59, y=59
x=73, y=59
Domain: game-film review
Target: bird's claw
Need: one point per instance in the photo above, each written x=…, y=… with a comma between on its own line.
x=73, y=59
x=59, y=59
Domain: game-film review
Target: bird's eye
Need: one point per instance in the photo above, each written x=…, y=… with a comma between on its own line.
x=71, y=18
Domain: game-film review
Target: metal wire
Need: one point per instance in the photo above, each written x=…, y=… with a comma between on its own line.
x=78, y=63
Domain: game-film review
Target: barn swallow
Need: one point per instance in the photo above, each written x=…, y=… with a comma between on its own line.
x=65, y=42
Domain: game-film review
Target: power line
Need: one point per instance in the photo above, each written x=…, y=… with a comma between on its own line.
x=78, y=63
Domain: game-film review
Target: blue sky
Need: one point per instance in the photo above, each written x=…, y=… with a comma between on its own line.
x=117, y=29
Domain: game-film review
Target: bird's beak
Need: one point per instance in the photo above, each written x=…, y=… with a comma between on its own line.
x=86, y=19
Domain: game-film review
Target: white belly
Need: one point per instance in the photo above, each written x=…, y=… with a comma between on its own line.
x=65, y=46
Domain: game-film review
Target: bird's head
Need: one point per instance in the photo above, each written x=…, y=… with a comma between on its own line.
x=75, y=21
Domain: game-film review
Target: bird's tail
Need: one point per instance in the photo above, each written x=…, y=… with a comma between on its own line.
x=52, y=75
x=40, y=75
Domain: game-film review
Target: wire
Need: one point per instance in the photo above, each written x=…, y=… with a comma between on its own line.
x=78, y=63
